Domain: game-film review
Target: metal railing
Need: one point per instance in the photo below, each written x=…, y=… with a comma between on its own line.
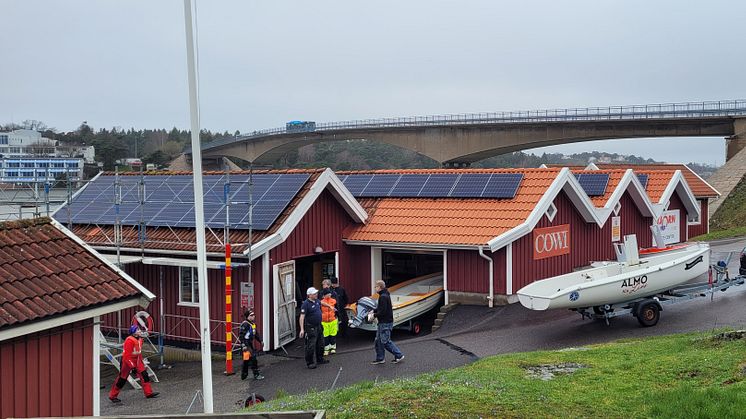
x=720, y=108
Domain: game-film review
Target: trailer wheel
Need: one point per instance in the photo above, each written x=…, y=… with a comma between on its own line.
x=648, y=314
x=415, y=328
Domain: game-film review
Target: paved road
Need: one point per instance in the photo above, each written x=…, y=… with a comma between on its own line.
x=468, y=333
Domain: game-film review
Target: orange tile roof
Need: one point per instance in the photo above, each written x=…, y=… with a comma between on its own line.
x=658, y=180
x=450, y=221
x=699, y=187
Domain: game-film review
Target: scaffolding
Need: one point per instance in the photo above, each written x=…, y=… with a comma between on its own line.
x=123, y=194
x=38, y=197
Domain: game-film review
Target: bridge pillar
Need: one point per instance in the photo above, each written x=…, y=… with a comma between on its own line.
x=732, y=172
x=737, y=142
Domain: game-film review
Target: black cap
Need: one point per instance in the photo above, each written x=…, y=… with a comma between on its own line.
x=335, y=280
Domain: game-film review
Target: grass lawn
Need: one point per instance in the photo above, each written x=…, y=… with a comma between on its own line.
x=722, y=234
x=700, y=375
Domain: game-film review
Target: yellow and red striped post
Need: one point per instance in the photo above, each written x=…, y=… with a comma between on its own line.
x=228, y=313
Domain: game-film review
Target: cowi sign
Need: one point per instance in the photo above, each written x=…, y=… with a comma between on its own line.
x=551, y=241
x=668, y=223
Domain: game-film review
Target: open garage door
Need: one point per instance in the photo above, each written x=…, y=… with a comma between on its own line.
x=402, y=265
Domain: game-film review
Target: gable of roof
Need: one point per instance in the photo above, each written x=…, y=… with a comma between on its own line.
x=700, y=188
x=45, y=271
x=327, y=180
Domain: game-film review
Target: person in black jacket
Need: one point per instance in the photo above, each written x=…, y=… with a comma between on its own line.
x=384, y=312
x=342, y=302
x=247, y=334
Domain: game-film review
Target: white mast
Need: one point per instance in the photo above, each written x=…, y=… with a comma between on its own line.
x=199, y=215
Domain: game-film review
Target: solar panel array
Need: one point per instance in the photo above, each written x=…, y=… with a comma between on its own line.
x=643, y=178
x=443, y=185
x=594, y=184
x=169, y=200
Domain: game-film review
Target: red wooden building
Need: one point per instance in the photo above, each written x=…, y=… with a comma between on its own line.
x=53, y=291
x=300, y=248
x=487, y=248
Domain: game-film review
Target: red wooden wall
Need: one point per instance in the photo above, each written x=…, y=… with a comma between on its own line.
x=49, y=373
x=321, y=226
x=701, y=228
x=587, y=242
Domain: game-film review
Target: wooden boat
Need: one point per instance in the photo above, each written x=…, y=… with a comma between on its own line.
x=618, y=281
x=410, y=299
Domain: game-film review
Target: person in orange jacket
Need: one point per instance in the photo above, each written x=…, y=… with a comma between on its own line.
x=132, y=360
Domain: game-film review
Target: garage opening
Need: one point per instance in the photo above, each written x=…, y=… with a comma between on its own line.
x=399, y=266
x=310, y=271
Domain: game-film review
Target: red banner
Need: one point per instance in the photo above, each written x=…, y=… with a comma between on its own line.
x=551, y=241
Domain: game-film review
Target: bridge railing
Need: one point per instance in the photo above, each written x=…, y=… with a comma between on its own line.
x=718, y=108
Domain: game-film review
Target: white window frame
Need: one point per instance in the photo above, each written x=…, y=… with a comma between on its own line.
x=195, y=287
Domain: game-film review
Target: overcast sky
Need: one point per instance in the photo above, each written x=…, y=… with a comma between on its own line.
x=123, y=63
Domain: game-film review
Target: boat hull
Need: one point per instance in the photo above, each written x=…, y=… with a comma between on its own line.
x=617, y=282
x=409, y=300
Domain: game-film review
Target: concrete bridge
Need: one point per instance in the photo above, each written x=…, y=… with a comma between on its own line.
x=459, y=140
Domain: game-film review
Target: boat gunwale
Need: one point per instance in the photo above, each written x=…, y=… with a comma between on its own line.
x=701, y=249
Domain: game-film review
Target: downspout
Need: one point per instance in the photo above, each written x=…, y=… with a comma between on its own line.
x=491, y=297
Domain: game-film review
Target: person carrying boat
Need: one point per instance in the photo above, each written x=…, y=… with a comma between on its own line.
x=329, y=317
x=310, y=328
x=247, y=335
x=384, y=312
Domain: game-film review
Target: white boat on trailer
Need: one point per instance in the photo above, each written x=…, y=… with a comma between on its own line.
x=409, y=299
x=609, y=283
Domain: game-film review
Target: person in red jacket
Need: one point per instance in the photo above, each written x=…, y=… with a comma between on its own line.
x=132, y=360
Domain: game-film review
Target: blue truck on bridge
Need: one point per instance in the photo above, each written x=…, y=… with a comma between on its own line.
x=300, y=126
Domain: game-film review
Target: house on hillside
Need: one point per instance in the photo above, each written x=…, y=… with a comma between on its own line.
x=54, y=289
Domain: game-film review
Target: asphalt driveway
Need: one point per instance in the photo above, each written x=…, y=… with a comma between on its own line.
x=468, y=333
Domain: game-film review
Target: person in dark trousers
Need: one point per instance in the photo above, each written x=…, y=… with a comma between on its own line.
x=247, y=335
x=342, y=302
x=310, y=329
x=132, y=360
x=384, y=312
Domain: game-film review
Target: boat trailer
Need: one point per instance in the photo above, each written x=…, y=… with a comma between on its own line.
x=647, y=309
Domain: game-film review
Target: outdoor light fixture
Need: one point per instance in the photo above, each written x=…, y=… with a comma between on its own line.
x=318, y=250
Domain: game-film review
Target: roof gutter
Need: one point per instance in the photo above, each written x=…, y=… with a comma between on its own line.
x=491, y=297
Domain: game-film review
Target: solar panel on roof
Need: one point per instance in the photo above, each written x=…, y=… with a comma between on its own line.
x=643, y=178
x=502, y=185
x=470, y=185
x=409, y=186
x=380, y=185
x=356, y=183
x=594, y=184
x=169, y=200
x=438, y=186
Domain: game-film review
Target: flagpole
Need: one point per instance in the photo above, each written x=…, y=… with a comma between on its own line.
x=199, y=215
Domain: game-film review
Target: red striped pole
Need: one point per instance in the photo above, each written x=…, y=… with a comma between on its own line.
x=228, y=313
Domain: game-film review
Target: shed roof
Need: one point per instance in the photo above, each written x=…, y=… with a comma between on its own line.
x=45, y=272
x=450, y=221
